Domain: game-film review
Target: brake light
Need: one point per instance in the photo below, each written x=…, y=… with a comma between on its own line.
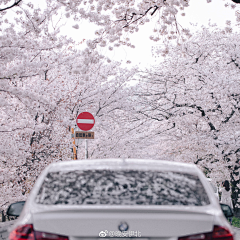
x=221, y=233
x=218, y=233
x=22, y=233
x=26, y=232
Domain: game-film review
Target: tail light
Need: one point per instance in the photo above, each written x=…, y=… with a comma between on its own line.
x=221, y=233
x=22, y=233
x=218, y=233
x=26, y=232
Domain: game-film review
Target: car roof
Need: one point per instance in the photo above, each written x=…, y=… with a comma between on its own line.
x=122, y=163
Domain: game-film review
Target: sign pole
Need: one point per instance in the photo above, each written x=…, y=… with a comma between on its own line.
x=85, y=121
x=74, y=146
x=86, y=149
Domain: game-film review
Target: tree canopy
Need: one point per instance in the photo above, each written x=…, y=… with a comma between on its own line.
x=185, y=109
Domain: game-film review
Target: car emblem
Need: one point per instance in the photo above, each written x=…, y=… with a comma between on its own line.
x=123, y=226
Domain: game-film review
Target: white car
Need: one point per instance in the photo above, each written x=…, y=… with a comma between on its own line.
x=122, y=198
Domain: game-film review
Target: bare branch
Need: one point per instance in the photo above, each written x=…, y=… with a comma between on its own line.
x=13, y=5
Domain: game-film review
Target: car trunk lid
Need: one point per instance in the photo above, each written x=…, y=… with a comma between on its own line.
x=144, y=223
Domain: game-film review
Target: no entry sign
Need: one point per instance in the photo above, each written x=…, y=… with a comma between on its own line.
x=85, y=121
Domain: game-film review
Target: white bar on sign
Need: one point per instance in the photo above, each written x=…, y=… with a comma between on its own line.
x=90, y=121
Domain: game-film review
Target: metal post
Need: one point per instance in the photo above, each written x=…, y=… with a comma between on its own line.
x=86, y=149
x=74, y=146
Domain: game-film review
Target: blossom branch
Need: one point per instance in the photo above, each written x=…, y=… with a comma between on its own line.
x=14, y=4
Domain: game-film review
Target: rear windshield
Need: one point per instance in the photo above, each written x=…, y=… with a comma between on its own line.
x=124, y=187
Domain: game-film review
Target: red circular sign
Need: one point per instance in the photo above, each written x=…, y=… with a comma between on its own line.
x=85, y=121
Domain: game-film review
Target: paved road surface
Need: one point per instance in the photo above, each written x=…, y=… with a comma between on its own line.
x=237, y=231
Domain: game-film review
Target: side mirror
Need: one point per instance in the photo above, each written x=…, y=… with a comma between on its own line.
x=15, y=209
x=227, y=210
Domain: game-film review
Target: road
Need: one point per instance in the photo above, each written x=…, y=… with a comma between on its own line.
x=237, y=231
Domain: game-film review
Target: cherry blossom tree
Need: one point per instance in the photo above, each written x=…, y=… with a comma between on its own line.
x=45, y=82
x=44, y=106
x=192, y=98
x=117, y=20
